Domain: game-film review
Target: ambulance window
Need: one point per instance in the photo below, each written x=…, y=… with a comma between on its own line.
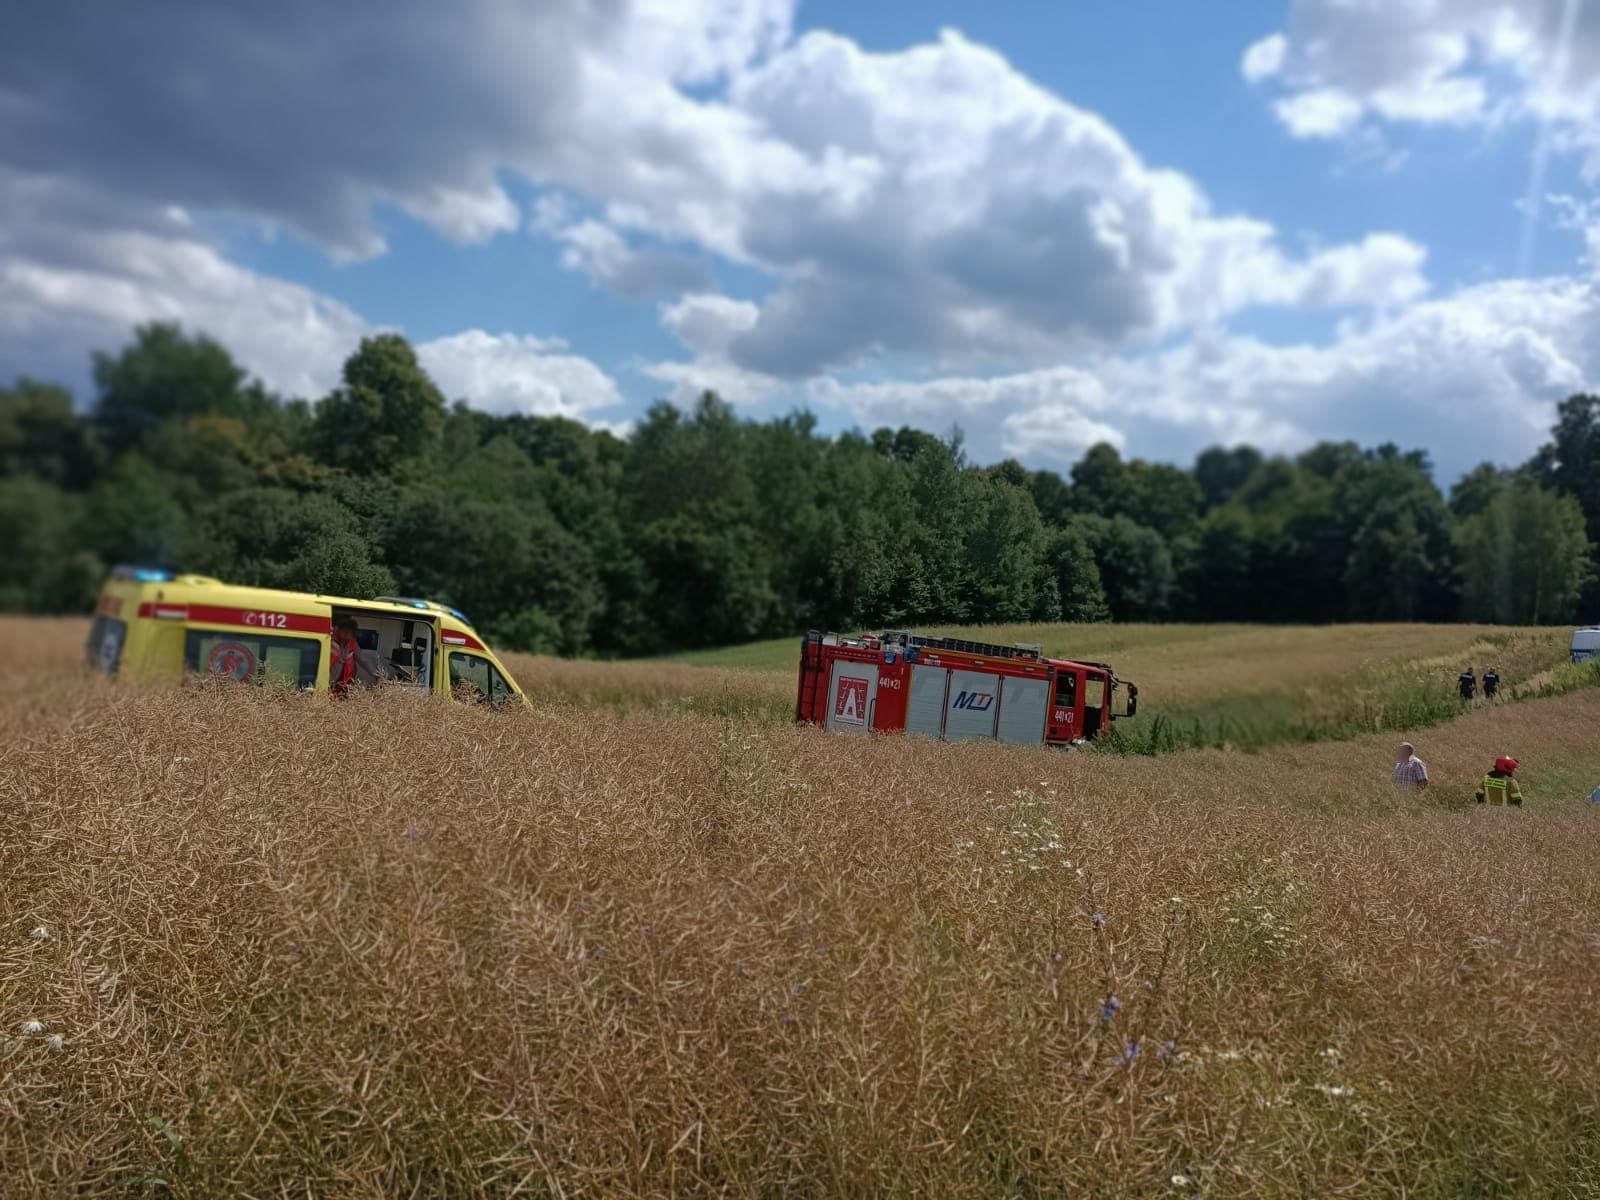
x=251, y=658
x=480, y=675
x=1067, y=689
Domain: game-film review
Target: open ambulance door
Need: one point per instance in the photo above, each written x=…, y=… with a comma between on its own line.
x=395, y=647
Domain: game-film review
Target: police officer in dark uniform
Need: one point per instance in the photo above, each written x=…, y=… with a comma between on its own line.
x=1491, y=683
x=1469, y=685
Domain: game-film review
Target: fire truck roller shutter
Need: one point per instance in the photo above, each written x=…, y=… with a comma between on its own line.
x=925, y=707
x=852, y=692
x=1023, y=705
x=973, y=704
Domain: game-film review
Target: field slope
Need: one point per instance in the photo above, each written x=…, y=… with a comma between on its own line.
x=388, y=948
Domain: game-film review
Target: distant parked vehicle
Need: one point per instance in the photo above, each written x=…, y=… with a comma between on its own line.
x=1585, y=643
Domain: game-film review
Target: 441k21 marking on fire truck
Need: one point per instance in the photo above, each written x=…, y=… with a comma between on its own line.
x=159, y=627
x=954, y=690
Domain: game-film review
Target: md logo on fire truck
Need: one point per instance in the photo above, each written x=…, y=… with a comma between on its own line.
x=974, y=701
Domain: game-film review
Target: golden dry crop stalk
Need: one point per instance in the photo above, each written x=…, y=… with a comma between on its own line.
x=373, y=947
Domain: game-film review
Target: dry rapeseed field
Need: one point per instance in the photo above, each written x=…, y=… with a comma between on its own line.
x=271, y=946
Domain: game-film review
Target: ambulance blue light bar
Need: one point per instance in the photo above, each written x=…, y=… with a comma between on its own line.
x=426, y=606
x=142, y=574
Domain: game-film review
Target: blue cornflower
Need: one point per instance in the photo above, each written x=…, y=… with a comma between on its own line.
x=1110, y=1008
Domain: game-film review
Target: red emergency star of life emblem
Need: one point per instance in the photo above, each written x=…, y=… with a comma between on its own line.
x=231, y=660
x=850, y=705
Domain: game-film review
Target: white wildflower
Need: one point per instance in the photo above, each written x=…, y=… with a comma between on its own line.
x=54, y=1041
x=33, y=1027
x=40, y=934
x=1181, y=1180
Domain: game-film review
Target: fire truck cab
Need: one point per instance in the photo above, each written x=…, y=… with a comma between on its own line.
x=154, y=626
x=954, y=690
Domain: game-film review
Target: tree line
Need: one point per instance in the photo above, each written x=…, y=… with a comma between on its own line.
x=700, y=528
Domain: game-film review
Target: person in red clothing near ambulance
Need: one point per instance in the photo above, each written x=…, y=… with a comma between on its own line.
x=342, y=656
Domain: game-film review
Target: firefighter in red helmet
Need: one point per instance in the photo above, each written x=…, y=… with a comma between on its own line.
x=1499, y=786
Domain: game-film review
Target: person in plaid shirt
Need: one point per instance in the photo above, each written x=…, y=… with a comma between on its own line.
x=1410, y=772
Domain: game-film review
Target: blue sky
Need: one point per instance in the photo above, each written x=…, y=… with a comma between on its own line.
x=1165, y=226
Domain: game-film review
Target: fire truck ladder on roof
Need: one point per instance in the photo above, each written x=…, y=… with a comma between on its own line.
x=903, y=637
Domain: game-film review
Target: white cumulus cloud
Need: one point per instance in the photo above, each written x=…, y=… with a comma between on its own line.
x=923, y=233
x=598, y=251
x=1467, y=377
x=68, y=284
x=1319, y=112
x=1433, y=62
x=1264, y=59
x=75, y=277
x=466, y=215
x=511, y=373
x=706, y=323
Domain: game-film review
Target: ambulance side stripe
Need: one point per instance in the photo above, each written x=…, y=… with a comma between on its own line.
x=246, y=618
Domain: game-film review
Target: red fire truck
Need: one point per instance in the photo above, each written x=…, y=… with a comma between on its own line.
x=954, y=690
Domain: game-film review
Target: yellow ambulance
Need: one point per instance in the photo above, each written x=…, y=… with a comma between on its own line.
x=156, y=626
